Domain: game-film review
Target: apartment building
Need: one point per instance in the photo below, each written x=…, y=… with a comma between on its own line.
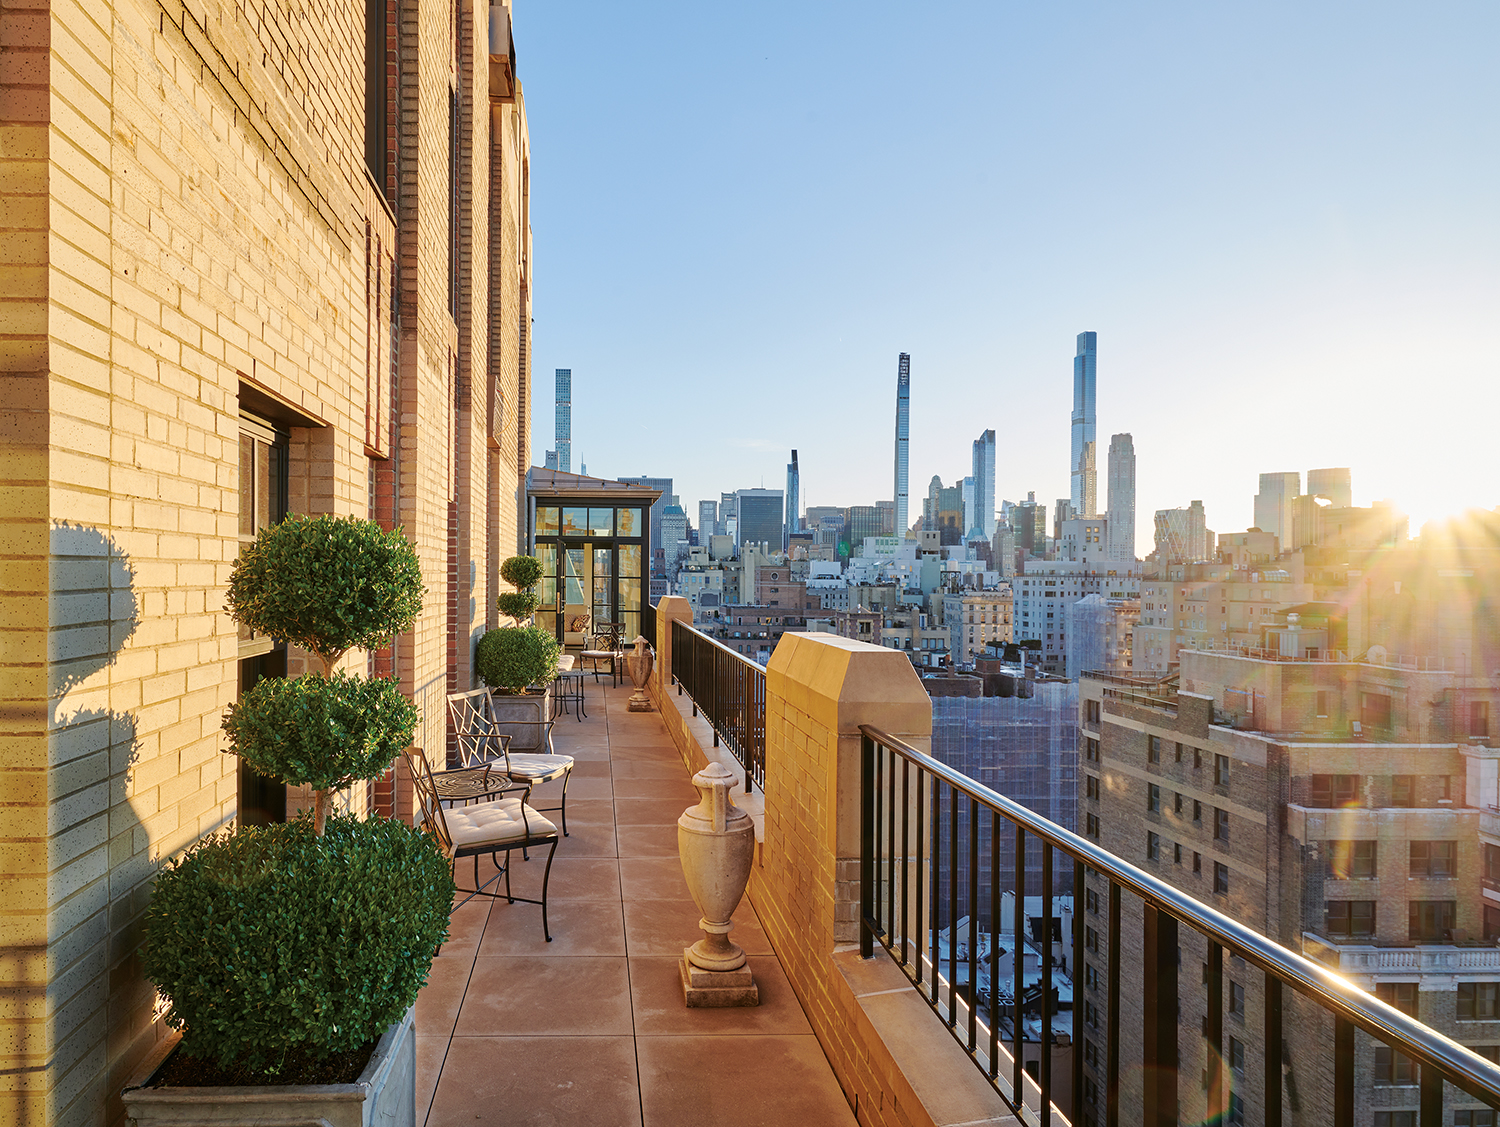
x=255, y=265
x=1198, y=605
x=975, y=619
x=1337, y=807
x=1044, y=592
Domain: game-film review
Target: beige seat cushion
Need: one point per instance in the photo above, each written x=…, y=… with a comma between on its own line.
x=494, y=823
x=536, y=767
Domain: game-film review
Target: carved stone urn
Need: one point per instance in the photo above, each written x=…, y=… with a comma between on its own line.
x=716, y=843
x=639, y=663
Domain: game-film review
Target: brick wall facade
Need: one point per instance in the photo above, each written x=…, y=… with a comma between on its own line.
x=187, y=212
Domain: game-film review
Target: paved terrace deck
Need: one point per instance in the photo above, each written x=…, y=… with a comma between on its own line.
x=591, y=1028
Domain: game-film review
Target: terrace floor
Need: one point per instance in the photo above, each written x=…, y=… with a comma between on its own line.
x=591, y=1028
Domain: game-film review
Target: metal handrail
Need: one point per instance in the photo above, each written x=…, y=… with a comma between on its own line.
x=1441, y=1058
x=730, y=691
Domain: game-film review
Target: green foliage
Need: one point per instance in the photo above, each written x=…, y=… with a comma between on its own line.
x=275, y=939
x=321, y=732
x=515, y=657
x=522, y=572
x=327, y=584
x=518, y=604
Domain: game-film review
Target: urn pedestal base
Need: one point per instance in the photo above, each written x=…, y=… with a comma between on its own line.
x=717, y=989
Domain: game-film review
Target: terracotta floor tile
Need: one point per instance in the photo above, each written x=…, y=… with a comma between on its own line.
x=573, y=878
x=756, y=1081
x=430, y=1053
x=438, y=1001
x=579, y=927
x=653, y=878
x=583, y=788
x=596, y=811
x=670, y=784
x=538, y=1082
x=665, y=927
x=590, y=769
x=648, y=811
x=588, y=839
x=466, y=925
x=622, y=769
x=657, y=1001
x=647, y=841
x=546, y=996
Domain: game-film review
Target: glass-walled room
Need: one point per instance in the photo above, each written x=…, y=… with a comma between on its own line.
x=593, y=560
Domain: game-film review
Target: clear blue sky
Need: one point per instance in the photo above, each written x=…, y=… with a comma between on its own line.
x=1283, y=221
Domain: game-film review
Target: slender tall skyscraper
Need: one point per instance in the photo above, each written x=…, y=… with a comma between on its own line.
x=1121, y=499
x=1085, y=495
x=984, y=484
x=1275, y=503
x=565, y=419
x=793, y=502
x=903, y=440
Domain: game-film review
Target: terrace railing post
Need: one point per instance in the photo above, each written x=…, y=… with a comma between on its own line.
x=1343, y=1072
x=1076, y=1110
x=1159, y=1031
x=866, y=846
x=1272, y=1116
x=1216, y=1072
x=1112, y=1005
x=1044, y=1040
x=1432, y=1097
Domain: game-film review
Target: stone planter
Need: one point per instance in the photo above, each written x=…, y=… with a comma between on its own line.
x=385, y=1093
x=524, y=718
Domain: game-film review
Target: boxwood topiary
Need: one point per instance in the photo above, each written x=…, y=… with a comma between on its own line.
x=281, y=940
x=517, y=657
x=520, y=605
x=522, y=572
x=327, y=584
x=321, y=732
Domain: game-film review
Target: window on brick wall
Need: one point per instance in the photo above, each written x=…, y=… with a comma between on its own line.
x=1091, y=784
x=1478, y=1001
x=1474, y=1117
x=1434, y=858
x=1153, y=798
x=1221, y=770
x=1091, y=825
x=1403, y=790
x=1221, y=877
x=1479, y=719
x=1349, y=917
x=1349, y=860
x=1221, y=825
x=1153, y=846
x=1392, y=1067
x=1332, y=792
x=1431, y=919
x=1153, y=749
x=1091, y=711
x=1403, y=996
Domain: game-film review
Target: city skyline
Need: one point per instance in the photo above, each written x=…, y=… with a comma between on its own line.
x=1306, y=213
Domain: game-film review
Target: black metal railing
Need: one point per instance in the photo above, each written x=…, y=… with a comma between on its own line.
x=913, y=878
x=729, y=690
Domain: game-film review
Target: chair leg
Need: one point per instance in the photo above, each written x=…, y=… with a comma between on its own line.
x=546, y=877
x=567, y=778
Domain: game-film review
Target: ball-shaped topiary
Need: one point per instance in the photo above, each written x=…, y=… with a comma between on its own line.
x=322, y=732
x=522, y=572
x=277, y=940
x=328, y=584
x=519, y=605
x=516, y=657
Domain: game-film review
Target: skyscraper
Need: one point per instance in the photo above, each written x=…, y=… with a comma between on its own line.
x=793, y=504
x=1273, y=505
x=760, y=513
x=565, y=419
x=1084, y=496
x=903, y=439
x=984, y=483
x=708, y=521
x=1333, y=484
x=1121, y=499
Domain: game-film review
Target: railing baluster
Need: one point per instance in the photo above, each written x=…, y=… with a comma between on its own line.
x=890, y=915
x=879, y=795
x=1018, y=985
x=1159, y=1058
x=1272, y=1115
x=1432, y=1097
x=1343, y=1072
x=1076, y=973
x=1215, y=1062
x=905, y=851
x=921, y=870
x=995, y=824
x=1112, y=1008
x=1044, y=1041
x=952, y=906
x=866, y=846
x=973, y=922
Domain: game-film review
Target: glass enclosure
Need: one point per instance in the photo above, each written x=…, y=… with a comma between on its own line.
x=592, y=557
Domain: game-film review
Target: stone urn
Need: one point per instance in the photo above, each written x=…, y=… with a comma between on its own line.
x=716, y=844
x=639, y=663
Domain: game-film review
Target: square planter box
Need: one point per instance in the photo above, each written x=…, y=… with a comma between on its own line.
x=384, y=1094
x=524, y=719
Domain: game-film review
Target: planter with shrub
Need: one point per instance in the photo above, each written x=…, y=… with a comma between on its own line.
x=290, y=956
x=520, y=661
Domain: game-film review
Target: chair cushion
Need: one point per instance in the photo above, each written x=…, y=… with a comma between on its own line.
x=495, y=823
x=535, y=767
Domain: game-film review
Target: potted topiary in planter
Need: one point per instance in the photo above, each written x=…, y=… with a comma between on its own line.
x=520, y=661
x=290, y=956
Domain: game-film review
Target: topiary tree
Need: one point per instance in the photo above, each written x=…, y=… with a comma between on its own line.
x=328, y=584
x=522, y=573
x=514, y=658
x=283, y=941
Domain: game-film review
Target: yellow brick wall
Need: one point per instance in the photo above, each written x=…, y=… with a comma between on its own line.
x=186, y=205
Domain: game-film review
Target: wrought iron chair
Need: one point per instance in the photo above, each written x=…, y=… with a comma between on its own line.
x=491, y=828
x=608, y=646
x=481, y=742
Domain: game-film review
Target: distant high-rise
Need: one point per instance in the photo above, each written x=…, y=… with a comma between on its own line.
x=565, y=419
x=760, y=513
x=550, y=460
x=1182, y=535
x=1085, y=494
x=903, y=439
x=708, y=521
x=667, y=498
x=971, y=513
x=984, y=483
x=1274, y=505
x=793, y=504
x=1121, y=499
x=1333, y=484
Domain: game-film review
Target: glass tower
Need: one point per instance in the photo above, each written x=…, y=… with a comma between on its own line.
x=1084, y=495
x=565, y=419
x=903, y=440
x=984, y=484
x=793, y=488
x=1122, y=499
